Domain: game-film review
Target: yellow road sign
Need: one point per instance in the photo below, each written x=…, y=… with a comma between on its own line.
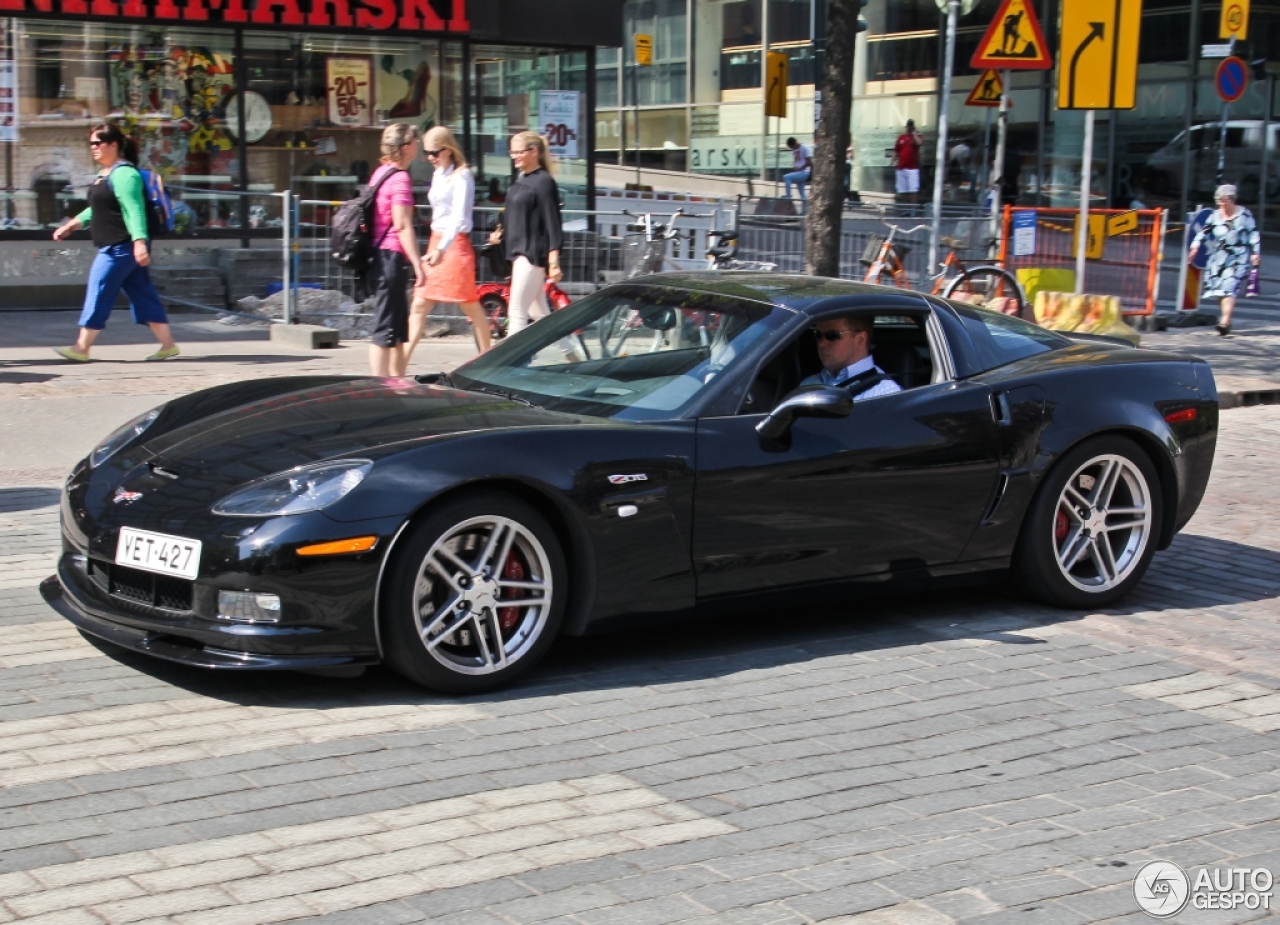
x=1121, y=224
x=1235, y=20
x=1014, y=40
x=644, y=49
x=1097, y=236
x=987, y=91
x=775, y=99
x=1098, y=64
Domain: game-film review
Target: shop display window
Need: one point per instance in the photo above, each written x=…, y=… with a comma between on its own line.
x=323, y=101
x=169, y=89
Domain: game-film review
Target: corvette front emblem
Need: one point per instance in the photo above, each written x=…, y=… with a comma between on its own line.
x=124, y=496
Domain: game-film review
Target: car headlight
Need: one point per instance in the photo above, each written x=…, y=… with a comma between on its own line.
x=298, y=491
x=108, y=448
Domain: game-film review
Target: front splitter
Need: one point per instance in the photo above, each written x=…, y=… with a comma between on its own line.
x=177, y=649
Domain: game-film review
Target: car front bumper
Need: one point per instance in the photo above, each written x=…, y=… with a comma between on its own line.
x=187, y=639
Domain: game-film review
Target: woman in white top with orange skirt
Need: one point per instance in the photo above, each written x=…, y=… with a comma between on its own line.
x=450, y=261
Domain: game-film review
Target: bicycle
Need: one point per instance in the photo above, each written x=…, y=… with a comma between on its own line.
x=722, y=254
x=655, y=236
x=650, y=257
x=987, y=286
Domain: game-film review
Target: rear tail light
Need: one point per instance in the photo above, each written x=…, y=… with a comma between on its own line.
x=1184, y=416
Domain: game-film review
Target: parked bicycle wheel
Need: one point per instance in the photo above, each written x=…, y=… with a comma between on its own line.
x=989, y=287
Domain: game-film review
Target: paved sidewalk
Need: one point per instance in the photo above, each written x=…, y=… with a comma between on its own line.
x=926, y=760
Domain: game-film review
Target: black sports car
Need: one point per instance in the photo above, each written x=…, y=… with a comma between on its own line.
x=647, y=452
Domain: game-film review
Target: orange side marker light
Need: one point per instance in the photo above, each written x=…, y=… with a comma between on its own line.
x=339, y=547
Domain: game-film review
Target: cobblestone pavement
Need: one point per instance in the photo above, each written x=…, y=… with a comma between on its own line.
x=927, y=760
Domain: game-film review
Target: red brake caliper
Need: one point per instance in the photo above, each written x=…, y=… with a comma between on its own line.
x=1060, y=524
x=512, y=570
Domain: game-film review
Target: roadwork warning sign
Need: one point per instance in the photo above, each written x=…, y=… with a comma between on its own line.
x=1014, y=41
x=987, y=91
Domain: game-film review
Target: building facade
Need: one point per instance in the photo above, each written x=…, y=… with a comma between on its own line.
x=232, y=101
x=699, y=106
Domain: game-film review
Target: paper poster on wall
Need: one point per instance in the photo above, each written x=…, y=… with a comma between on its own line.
x=558, y=120
x=349, y=86
x=8, y=102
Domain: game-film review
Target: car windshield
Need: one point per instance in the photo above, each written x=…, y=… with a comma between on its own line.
x=631, y=352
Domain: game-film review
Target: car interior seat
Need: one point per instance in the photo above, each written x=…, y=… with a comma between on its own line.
x=902, y=363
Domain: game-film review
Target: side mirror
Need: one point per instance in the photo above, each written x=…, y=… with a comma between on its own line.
x=825, y=402
x=658, y=319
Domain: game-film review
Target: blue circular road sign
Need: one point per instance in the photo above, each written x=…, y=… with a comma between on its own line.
x=1232, y=79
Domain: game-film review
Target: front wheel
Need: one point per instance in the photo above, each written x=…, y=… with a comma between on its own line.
x=989, y=287
x=476, y=595
x=1092, y=529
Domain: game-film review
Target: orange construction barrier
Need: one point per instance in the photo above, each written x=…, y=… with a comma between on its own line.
x=1123, y=251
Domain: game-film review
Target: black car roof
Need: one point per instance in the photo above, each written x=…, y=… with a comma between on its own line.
x=807, y=294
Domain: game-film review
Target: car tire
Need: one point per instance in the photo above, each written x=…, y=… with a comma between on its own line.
x=1093, y=526
x=440, y=606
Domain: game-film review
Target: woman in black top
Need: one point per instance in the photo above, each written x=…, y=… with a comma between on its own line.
x=532, y=230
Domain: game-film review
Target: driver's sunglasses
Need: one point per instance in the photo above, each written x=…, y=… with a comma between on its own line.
x=832, y=335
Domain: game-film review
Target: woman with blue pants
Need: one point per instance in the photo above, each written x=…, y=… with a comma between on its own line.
x=117, y=220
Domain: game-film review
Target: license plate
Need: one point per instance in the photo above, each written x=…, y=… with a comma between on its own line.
x=158, y=552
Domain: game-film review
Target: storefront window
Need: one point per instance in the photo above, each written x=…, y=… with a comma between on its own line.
x=173, y=91
x=509, y=99
x=322, y=102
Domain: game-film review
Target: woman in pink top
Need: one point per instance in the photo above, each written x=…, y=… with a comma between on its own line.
x=397, y=266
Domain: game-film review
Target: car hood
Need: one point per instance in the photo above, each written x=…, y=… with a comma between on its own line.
x=363, y=417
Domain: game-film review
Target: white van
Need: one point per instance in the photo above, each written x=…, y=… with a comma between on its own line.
x=1243, y=166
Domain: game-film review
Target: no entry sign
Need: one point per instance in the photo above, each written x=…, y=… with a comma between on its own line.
x=1232, y=79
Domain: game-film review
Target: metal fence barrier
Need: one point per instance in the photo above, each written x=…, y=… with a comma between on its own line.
x=1125, y=248
x=595, y=252
x=780, y=240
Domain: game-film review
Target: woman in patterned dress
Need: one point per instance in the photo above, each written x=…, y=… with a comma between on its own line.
x=1232, y=240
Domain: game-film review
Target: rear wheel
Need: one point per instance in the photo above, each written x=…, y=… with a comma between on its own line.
x=988, y=287
x=476, y=595
x=1092, y=529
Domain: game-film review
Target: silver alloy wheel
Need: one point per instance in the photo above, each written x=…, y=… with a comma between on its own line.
x=1102, y=523
x=482, y=595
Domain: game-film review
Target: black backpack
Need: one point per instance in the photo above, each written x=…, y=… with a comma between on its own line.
x=351, y=241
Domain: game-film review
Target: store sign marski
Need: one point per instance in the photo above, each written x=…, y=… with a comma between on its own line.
x=399, y=15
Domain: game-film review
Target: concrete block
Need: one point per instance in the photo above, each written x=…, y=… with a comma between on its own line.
x=304, y=336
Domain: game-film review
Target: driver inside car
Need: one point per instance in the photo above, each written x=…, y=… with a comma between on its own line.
x=844, y=347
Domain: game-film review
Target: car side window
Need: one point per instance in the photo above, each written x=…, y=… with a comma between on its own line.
x=1001, y=339
x=900, y=347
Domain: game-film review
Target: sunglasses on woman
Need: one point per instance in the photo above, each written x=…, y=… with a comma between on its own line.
x=430, y=153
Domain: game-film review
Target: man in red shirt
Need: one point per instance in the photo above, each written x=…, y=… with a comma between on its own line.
x=906, y=158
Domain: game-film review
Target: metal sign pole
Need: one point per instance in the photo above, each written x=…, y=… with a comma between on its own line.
x=984, y=172
x=1266, y=150
x=1222, y=132
x=1086, y=168
x=1184, y=265
x=1002, y=141
x=940, y=160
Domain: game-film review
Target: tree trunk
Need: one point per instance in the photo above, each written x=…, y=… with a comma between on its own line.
x=827, y=187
